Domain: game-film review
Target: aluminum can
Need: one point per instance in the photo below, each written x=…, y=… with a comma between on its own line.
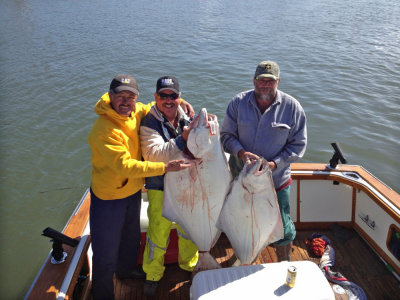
x=291, y=276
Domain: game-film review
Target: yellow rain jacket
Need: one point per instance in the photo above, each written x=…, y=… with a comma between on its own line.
x=117, y=167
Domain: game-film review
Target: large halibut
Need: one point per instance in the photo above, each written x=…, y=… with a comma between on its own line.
x=250, y=216
x=194, y=197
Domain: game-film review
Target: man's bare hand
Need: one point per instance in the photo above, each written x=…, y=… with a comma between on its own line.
x=245, y=156
x=186, y=130
x=272, y=165
x=176, y=165
x=211, y=117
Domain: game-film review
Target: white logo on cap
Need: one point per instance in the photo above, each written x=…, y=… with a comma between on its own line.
x=167, y=81
x=125, y=80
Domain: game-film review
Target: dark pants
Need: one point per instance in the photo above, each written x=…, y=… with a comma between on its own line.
x=115, y=233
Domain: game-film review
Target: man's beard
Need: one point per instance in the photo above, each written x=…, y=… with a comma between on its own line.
x=265, y=97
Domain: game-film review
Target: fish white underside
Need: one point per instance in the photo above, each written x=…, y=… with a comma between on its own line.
x=250, y=216
x=194, y=197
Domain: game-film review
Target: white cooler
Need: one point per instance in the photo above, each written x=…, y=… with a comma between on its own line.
x=265, y=281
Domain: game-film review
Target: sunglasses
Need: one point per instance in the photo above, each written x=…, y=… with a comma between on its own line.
x=166, y=96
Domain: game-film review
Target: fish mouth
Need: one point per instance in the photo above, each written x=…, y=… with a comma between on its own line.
x=200, y=120
x=263, y=167
x=263, y=164
x=258, y=167
x=203, y=119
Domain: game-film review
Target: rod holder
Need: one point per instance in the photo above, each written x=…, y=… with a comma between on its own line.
x=58, y=238
x=337, y=156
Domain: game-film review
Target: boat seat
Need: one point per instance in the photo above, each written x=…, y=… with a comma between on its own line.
x=144, y=220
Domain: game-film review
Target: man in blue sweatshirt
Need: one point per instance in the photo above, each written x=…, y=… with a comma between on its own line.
x=266, y=122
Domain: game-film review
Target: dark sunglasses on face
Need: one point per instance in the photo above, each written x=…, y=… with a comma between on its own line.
x=171, y=96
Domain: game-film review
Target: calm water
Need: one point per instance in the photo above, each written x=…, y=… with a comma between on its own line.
x=340, y=59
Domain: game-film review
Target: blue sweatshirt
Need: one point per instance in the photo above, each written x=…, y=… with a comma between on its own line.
x=279, y=134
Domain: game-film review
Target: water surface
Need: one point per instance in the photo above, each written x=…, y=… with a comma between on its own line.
x=340, y=59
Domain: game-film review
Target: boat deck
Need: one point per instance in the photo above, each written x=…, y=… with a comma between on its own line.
x=354, y=259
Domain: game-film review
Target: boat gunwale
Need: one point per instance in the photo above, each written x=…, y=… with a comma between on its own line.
x=74, y=228
x=375, y=189
x=382, y=193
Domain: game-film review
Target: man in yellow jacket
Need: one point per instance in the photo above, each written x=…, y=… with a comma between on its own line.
x=117, y=178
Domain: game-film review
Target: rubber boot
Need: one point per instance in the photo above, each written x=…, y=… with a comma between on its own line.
x=284, y=252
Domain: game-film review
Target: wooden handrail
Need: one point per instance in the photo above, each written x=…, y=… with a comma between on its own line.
x=379, y=186
x=50, y=278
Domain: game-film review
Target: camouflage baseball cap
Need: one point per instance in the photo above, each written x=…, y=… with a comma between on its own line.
x=267, y=69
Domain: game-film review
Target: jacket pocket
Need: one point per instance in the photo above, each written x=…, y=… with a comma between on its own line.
x=280, y=133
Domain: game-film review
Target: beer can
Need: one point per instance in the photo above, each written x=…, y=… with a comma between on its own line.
x=291, y=276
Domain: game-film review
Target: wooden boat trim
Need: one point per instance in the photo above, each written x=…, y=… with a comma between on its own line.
x=78, y=259
x=51, y=278
x=359, y=179
x=59, y=281
x=388, y=205
x=391, y=228
x=374, y=182
x=383, y=195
